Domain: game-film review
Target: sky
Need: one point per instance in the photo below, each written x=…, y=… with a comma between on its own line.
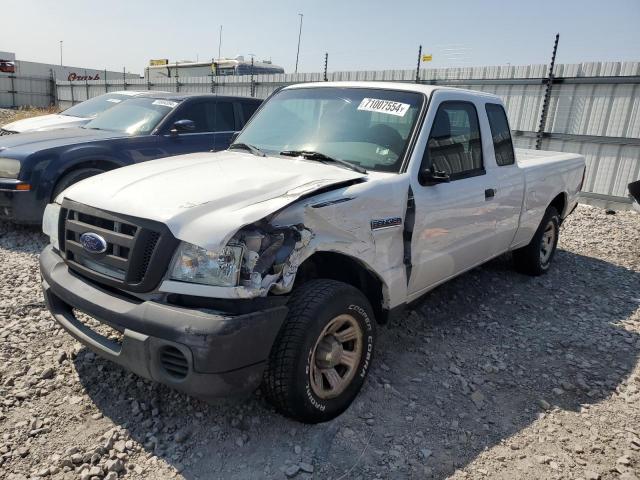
x=357, y=34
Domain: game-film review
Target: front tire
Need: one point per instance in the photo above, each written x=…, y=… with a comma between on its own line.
x=535, y=259
x=72, y=177
x=323, y=352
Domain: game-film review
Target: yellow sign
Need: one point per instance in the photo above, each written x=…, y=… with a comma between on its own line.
x=427, y=58
x=155, y=63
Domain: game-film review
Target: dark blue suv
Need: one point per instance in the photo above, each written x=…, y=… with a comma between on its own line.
x=36, y=167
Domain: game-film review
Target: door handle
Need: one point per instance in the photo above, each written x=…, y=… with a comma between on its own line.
x=490, y=193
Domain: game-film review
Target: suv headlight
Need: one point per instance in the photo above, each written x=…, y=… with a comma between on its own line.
x=197, y=265
x=9, y=167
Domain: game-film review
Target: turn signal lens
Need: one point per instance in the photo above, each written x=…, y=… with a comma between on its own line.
x=23, y=187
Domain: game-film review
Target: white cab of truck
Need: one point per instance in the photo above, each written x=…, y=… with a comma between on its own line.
x=273, y=263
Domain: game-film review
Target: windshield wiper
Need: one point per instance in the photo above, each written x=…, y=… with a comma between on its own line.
x=246, y=146
x=321, y=157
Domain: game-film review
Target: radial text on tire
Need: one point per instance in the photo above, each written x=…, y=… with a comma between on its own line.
x=323, y=352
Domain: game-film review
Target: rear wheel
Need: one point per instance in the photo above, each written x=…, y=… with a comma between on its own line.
x=535, y=258
x=323, y=352
x=72, y=177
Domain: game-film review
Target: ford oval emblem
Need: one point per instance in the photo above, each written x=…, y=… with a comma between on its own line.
x=93, y=243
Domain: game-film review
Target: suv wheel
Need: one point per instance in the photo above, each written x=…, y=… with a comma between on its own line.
x=72, y=177
x=323, y=352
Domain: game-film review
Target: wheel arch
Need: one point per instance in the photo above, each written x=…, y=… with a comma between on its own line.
x=350, y=270
x=102, y=164
x=559, y=202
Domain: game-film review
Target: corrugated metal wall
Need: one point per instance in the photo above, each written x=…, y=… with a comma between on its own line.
x=594, y=107
x=18, y=90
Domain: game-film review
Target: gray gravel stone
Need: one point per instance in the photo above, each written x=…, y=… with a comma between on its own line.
x=502, y=338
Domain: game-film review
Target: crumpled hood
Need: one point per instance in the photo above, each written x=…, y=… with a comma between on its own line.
x=45, y=122
x=204, y=198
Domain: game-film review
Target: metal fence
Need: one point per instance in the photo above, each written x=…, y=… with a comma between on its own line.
x=594, y=108
x=23, y=90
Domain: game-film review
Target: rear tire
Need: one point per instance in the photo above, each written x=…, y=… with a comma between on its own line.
x=72, y=177
x=535, y=258
x=323, y=352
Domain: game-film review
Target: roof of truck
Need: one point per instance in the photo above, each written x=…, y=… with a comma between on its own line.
x=409, y=87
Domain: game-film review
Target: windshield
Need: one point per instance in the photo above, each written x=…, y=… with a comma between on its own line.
x=364, y=126
x=90, y=108
x=137, y=116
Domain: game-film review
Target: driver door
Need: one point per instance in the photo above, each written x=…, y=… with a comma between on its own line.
x=454, y=222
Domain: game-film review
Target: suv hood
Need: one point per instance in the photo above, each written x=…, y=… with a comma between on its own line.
x=24, y=144
x=204, y=198
x=45, y=122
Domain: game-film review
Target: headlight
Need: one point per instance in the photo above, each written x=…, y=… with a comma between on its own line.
x=9, y=167
x=198, y=265
x=50, y=222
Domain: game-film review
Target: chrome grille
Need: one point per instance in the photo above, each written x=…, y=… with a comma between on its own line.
x=6, y=132
x=137, y=252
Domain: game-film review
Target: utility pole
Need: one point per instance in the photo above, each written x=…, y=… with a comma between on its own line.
x=220, y=42
x=299, y=36
x=60, y=52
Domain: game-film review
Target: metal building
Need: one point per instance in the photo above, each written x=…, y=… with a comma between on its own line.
x=163, y=69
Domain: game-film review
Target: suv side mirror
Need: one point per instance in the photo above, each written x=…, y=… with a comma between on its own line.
x=182, y=126
x=431, y=176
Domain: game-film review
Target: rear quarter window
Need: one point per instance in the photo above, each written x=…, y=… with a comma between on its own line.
x=501, y=134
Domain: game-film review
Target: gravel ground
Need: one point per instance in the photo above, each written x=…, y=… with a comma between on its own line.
x=493, y=375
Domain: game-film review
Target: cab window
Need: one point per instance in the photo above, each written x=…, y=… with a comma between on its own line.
x=454, y=145
x=502, y=143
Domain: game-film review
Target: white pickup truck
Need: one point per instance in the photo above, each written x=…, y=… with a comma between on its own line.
x=271, y=263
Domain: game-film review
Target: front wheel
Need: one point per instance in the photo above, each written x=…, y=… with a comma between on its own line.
x=323, y=352
x=535, y=258
x=73, y=177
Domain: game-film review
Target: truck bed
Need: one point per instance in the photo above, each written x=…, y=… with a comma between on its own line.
x=528, y=157
x=546, y=172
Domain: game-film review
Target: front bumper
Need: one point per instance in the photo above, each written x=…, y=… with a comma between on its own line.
x=221, y=354
x=19, y=206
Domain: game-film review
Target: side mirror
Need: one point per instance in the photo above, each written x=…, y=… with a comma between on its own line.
x=431, y=176
x=182, y=126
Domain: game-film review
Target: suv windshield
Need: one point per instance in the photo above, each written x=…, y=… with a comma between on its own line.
x=90, y=108
x=368, y=127
x=137, y=116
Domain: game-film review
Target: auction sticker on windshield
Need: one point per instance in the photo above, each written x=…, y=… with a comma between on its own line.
x=384, y=106
x=165, y=103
